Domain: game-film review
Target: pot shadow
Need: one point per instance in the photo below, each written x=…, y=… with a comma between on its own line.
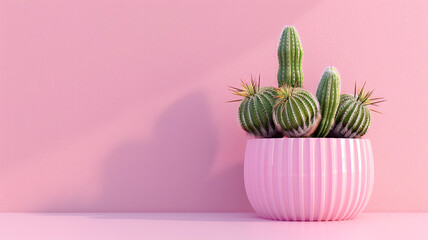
x=167, y=171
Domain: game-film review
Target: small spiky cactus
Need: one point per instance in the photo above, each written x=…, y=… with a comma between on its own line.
x=255, y=110
x=296, y=112
x=290, y=55
x=353, y=115
x=328, y=95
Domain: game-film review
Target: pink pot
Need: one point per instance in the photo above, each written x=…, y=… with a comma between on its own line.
x=308, y=179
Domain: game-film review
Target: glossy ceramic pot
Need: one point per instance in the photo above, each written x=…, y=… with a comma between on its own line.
x=308, y=179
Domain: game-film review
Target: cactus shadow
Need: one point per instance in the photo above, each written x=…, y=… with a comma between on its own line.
x=167, y=171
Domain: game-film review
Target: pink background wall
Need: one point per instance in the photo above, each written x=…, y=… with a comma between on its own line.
x=120, y=105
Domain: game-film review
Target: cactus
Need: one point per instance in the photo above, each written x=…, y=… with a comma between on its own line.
x=255, y=110
x=353, y=115
x=328, y=95
x=290, y=55
x=296, y=112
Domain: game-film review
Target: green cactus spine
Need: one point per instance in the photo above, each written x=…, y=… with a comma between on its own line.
x=328, y=95
x=255, y=110
x=290, y=55
x=296, y=112
x=353, y=115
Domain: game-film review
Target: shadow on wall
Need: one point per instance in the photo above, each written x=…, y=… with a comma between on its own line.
x=170, y=171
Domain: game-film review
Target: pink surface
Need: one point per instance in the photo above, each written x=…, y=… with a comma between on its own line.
x=308, y=179
x=120, y=105
x=207, y=226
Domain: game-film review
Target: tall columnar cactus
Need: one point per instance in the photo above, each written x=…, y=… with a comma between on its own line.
x=290, y=55
x=328, y=95
x=255, y=110
x=296, y=112
x=353, y=115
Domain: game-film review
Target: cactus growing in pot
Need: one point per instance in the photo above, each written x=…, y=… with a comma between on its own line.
x=328, y=95
x=296, y=112
x=290, y=55
x=255, y=110
x=290, y=173
x=353, y=115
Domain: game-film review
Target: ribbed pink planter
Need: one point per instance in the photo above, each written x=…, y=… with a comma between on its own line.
x=308, y=179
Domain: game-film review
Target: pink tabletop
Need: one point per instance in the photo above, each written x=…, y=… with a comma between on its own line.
x=216, y=226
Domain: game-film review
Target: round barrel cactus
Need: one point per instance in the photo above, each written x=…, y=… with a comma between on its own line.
x=255, y=110
x=296, y=112
x=328, y=95
x=352, y=118
x=290, y=55
x=353, y=115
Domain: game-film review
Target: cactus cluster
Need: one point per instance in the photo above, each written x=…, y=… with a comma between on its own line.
x=291, y=111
